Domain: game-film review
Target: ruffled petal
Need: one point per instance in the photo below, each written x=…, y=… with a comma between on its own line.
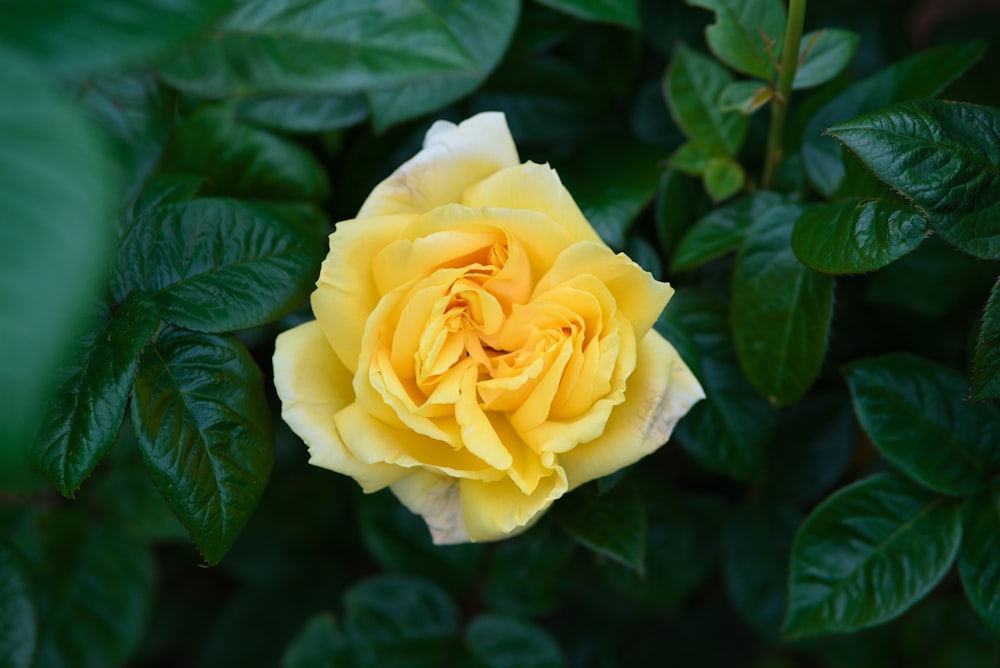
x=500, y=509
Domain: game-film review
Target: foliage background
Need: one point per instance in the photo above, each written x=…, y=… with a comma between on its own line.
x=168, y=172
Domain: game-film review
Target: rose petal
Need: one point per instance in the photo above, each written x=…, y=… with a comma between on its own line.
x=499, y=509
x=453, y=157
x=660, y=391
x=313, y=386
x=438, y=500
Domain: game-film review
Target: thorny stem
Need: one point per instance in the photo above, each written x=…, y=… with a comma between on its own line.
x=786, y=73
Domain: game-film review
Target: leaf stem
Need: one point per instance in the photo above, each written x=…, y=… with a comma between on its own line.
x=786, y=74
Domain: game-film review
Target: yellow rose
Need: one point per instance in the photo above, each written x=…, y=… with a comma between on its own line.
x=477, y=348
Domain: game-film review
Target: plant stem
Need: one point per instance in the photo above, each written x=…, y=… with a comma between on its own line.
x=786, y=73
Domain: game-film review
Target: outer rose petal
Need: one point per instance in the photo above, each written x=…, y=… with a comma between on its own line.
x=453, y=157
x=499, y=509
x=313, y=386
x=438, y=500
x=660, y=391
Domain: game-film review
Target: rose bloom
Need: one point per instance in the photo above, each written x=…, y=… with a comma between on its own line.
x=477, y=348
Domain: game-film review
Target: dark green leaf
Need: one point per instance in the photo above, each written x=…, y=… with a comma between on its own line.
x=399, y=621
x=217, y=264
x=986, y=370
x=781, y=309
x=58, y=216
x=826, y=53
x=644, y=254
x=484, y=29
x=916, y=415
x=303, y=113
x=868, y=553
x=677, y=207
x=747, y=34
x=76, y=38
x=84, y=419
x=317, y=46
x=723, y=178
x=943, y=156
x=204, y=430
x=167, y=189
x=945, y=632
x=622, y=12
x=503, y=642
x=857, y=235
x=692, y=86
x=722, y=230
x=612, y=181
x=542, y=556
x=725, y=431
x=319, y=644
x=977, y=562
x=18, y=610
x=755, y=563
x=922, y=75
x=244, y=161
x=612, y=524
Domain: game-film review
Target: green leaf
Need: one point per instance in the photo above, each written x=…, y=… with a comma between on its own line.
x=18, y=610
x=542, y=556
x=946, y=632
x=857, y=235
x=725, y=431
x=723, y=178
x=612, y=524
x=916, y=415
x=781, y=309
x=399, y=621
x=921, y=75
x=484, y=29
x=747, y=34
x=823, y=54
x=692, y=86
x=167, y=189
x=621, y=12
x=503, y=642
x=745, y=97
x=722, y=230
x=87, y=412
x=331, y=47
x=690, y=158
x=244, y=161
x=216, y=264
x=319, y=644
x=57, y=200
x=977, y=562
x=986, y=368
x=677, y=207
x=204, y=429
x=868, y=553
x=303, y=113
x=612, y=181
x=76, y=38
x=944, y=157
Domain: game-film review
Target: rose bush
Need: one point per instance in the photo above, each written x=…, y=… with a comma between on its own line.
x=477, y=348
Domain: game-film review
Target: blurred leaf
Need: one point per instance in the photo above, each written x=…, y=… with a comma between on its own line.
x=319, y=644
x=747, y=34
x=216, y=264
x=399, y=621
x=943, y=156
x=692, y=86
x=612, y=524
x=204, y=430
x=318, y=46
x=644, y=254
x=723, y=178
x=868, y=553
x=722, y=230
x=303, y=113
x=77, y=38
x=725, y=431
x=826, y=53
x=986, y=369
x=503, y=642
x=244, y=161
x=977, y=562
x=612, y=181
x=622, y=12
x=57, y=200
x=167, y=189
x=677, y=207
x=18, y=610
x=915, y=413
x=541, y=556
x=691, y=158
x=87, y=412
x=399, y=541
x=945, y=633
x=745, y=97
x=755, y=563
x=857, y=235
x=781, y=309
x=921, y=75
x=483, y=28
